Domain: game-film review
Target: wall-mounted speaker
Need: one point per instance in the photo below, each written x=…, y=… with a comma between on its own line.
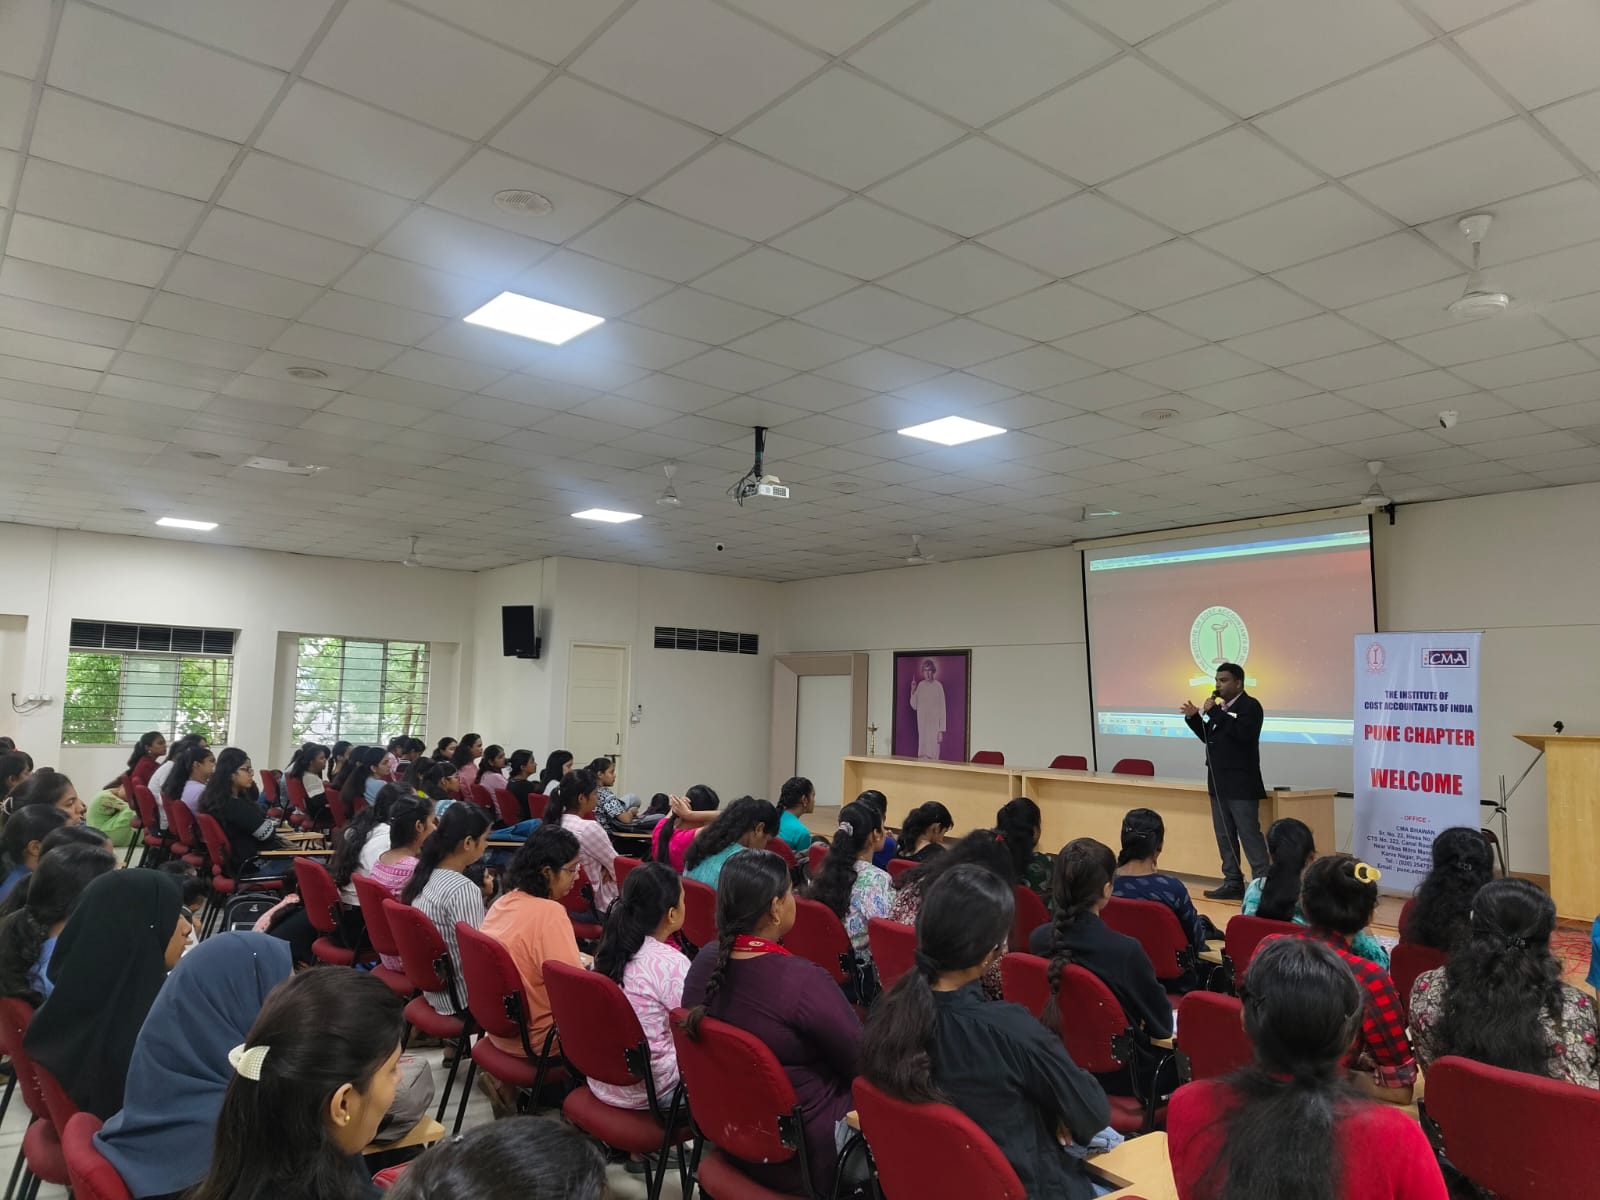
x=519, y=631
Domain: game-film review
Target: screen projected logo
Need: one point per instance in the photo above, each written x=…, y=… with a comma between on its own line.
x=1218, y=635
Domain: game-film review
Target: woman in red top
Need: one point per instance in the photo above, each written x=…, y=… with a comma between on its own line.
x=142, y=762
x=1290, y=1127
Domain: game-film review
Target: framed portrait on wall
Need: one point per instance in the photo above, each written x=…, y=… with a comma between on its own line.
x=932, y=697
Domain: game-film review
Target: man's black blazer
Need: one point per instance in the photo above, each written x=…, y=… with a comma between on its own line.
x=1233, y=747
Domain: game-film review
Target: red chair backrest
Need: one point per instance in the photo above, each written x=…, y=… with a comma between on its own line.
x=1406, y=962
x=479, y=795
x=318, y=895
x=782, y=849
x=1029, y=914
x=699, y=913
x=494, y=985
x=600, y=1032
x=336, y=806
x=296, y=792
x=217, y=844
x=1134, y=766
x=14, y=1018
x=819, y=935
x=1091, y=1017
x=899, y=866
x=1243, y=934
x=622, y=865
x=1404, y=922
x=1069, y=762
x=577, y=899
x=269, y=784
x=149, y=814
x=93, y=1178
x=422, y=949
x=56, y=1101
x=992, y=758
x=742, y=1099
x=893, y=946
x=372, y=895
x=814, y=857
x=506, y=805
x=1155, y=927
x=924, y=1150
x=1551, y=1151
x=180, y=819
x=1211, y=1034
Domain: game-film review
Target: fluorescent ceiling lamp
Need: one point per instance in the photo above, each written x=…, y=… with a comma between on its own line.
x=530, y=318
x=606, y=515
x=180, y=523
x=952, y=431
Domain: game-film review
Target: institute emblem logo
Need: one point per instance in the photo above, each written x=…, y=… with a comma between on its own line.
x=1218, y=635
x=1376, y=658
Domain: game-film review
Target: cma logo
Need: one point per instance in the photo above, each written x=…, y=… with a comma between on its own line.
x=1444, y=658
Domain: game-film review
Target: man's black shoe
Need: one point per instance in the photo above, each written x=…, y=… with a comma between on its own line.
x=1228, y=891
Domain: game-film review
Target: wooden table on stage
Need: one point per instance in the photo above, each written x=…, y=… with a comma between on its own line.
x=1075, y=804
x=1572, y=778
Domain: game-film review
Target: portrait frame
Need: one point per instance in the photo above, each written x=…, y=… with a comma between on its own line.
x=913, y=734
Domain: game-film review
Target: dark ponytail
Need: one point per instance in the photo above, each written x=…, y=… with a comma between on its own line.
x=554, y=766
x=463, y=754
x=648, y=893
x=918, y=821
x=1017, y=823
x=548, y=847
x=750, y=881
x=27, y=825
x=182, y=767
x=1290, y=845
x=575, y=785
x=1083, y=868
x=142, y=750
x=740, y=819
x=354, y=787
x=347, y=860
x=836, y=878
x=460, y=822
x=701, y=798
x=430, y=778
x=963, y=919
x=1143, y=835
x=54, y=888
x=1462, y=864
x=406, y=818
x=794, y=792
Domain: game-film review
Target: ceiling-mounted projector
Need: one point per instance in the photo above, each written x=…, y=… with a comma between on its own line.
x=756, y=482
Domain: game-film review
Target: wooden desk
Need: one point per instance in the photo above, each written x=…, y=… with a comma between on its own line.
x=1138, y=1167
x=971, y=791
x=1211, y=954
x=323, y=853
x=424, y=1133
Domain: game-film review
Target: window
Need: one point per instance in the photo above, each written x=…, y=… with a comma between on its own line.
x=124, y=680
x=359, y=690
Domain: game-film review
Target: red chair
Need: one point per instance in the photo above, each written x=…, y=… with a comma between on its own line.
x=93, y=1178
x=1404, y=922
x=272, y=790
x=1240, y=937
x=1521, y=1136
x=744, y=1106
x=1406, y=962
x=40, y=1156
x=1134, y=766
x=700, y=913
x=507, y=806
x=781, y=848
x=1096, y=1032
x=299, y=803
x=372, y=895
x=601, y=1037
x=155, y=844
x=186, y=843
x=923, y=1150
x=319, y=896
x=1030, y=913
x=814, y=857
x=223, y=882
x=428, y=967
x=496, y=1002
x=1069, y=762
x=579, y=903
x=899, y=866
x=479, y=795
x=894, y=948
x=1155, y=927
x=990, y=758
x=623, y=865
x=1211, y=1037
x=819, y=935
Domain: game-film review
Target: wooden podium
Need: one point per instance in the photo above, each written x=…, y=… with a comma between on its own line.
x=1572, y=794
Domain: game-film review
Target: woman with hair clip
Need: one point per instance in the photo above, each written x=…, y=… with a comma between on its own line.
x=230, y=796
x=187, y=780
x=1275, y=896
x=570, y=808
x=750, y=981
x=848, y=883
x=979, y=848
x=465, y=757
x=1016, y=824
x=28, y=934
x=922, y=834
x=1289, y=1127
x=21, y=844
x=746, y=824
x=491, y=769
x=518, y=1158
x=411, y=823
x=1077, y=935
x=688, y=813
x=319, y=1070
x=556, y=766
x=932, y=1039
x=1138, y=877
x=440, y=889
x=796, y=798
x=146, y=756
x=611, y=809
x=307, y=766
x=1500, y=999
x=1462, y=863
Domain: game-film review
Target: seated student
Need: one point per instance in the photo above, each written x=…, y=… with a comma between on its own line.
x=522, y=780
x=366, y=774
x=439, y=782
x=518, y=1158
x=439, y=889
x=657, y=811
x=635, y=954
x=21, y=843
x=28, y=933
x=890, y=847
x=793, y=1006
x=230, y=796
x=407, y=755
x=796, y=798
x=570, y=808
x=492, y=769
x=465, y=757
x=979, y=848
x=848, y=883
x=1016, y=823
x=112, y=814
x=319, y=1070
x=922, y=835
x=1290, y=1125
x=746, y=824
x=14, y=768
x=1500, y=999
x=146, y=757
x=1077, y=935
x=670, y=841
x=1462, y=863
x=445, y=748
x=160, y=1141
x=187, y=780
x=1275, y=896
x=1338, y=896
x=307, y=766
x=411, y=823
x=611, y=809
x=391, y=753
x=555, y=767
x=933, y=1040
x=158, y=778
x=126, y=932
x=1139, y=878
x=50, y=789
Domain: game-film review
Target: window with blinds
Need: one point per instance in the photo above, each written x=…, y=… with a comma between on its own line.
x=359, y=690
x=125, y=680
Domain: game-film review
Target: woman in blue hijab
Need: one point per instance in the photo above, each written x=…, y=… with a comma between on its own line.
x=160, y=1143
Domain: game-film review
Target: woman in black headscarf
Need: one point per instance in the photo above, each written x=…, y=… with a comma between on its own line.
x=126, y=933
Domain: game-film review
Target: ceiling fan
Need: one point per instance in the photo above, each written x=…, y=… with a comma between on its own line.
x=1480, y=298
x=917, y=558
x=412, y=558
x=669, y=497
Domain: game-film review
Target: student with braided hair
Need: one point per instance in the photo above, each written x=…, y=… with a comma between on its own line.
x=847, y=882
x=933, y=1039
x=749, y=980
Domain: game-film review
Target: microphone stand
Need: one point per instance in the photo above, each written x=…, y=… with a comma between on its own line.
x=1500, y=809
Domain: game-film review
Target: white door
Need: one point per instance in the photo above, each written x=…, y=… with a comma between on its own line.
x=822, y=733
x=597, y=687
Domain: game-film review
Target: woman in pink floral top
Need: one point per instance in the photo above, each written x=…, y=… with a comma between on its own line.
x=1500, y=999
x=634, y=952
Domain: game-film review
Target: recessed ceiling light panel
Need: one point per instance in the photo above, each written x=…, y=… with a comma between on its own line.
x=181, y=523
x=536, y=319
x=607, y=515
x=952, y=431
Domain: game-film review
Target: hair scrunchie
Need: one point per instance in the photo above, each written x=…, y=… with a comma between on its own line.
x=1367, y=873
x=846, y=827
x=248, y=1060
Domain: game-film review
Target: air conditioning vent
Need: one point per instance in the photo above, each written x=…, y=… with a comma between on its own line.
x=713, y=641
x=159, y=639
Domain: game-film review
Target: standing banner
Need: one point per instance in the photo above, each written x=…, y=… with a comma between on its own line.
x=1416, y=747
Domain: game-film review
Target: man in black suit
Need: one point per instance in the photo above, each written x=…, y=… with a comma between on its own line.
x=1230, y=726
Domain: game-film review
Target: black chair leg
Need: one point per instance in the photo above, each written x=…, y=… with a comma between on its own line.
x=16, y=1173
x=5, y=1103
x=450, y=1079
x=466, y=1094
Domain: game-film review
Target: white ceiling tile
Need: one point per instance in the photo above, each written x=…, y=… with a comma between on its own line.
x=132, y=66
x=798, y=346
x=1301, y=341
x=1539, y=52
x=1530, y=366
x=977, y=62
x=965, y=278
x=680, y=395
x=1240, y=309
x=1164, y=275
x=972, y=187
x=450, y=243
x=379, y=277
x=1475, y=340
x=1129, y=341
x=1403, y=314
x=658, y=242
x=1547, y=277
x=188, y=347
x=16, y=98
x=471, y=190
x=864, y=239
x=1576, y=122
x=111, y=206
x=830, y=25
x=1410, y=389
x=1553, y=392
x=1191, y=369
x=443, y=371
x=959, y=343
x=171, y=311
x=275, y=34
x=873, y=315
x=1082, y=232
x=1307, y=226
x=240, y=287
x=490, y=347
x=370, y=318
x=84, y=250
x=83, y=134
x=1084, y=429
x=880, y=370
x=288, y=194
x=1356, y=367
x=24, y=28
x=61, y=322
x=355, y=141
x=685, y=312
x=249, y=242
x=848, y=129
x=50, y=374
x=1578, y=317
x=736, y=189
x=776, y=282
x=1220, y=178
x=346, y=349
x=1453, y=14
x=587, y=284
x=17, y=344
x=696, y=61
x=1052, y=312
x=1135, y=20
x=549, y=30
x=730, y=371
x=1035, y=368
x=69, y=289
x=1254, y=54
x=1565, y=215
x=957, y=391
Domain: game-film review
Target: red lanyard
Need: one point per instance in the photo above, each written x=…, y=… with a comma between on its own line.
x=744, y=943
